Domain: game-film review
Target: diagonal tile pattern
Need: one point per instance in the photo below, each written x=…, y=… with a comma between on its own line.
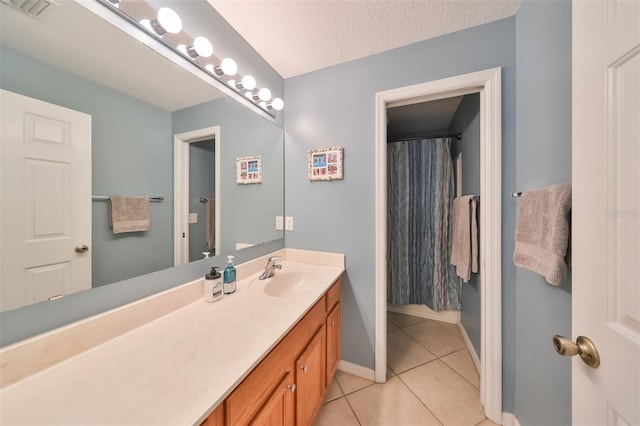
x=431, y=380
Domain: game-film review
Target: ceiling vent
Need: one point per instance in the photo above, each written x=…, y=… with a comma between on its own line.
x=31, y=7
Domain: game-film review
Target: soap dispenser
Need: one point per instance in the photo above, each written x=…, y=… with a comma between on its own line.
x=229, y=285
x=213, y=285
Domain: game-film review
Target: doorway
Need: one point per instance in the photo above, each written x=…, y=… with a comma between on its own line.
x=488, y=84
x=181, y=185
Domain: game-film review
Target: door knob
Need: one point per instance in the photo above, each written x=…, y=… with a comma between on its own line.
x=583, y=347
x=81, y=249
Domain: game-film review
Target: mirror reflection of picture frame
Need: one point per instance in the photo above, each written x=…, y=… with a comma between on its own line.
x=249, y=170
x=325, y=164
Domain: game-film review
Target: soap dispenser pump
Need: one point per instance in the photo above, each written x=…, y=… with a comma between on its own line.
x=229, y=281
x=213, y=285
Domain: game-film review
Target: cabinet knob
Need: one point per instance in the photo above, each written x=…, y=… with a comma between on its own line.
x=333, y=323
x=304, y=368
x=292, y=387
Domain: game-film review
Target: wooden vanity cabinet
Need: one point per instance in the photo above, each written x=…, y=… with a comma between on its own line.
x=288, y=386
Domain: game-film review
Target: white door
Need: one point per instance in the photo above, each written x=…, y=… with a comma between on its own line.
x=606, y=209
x=45, y=193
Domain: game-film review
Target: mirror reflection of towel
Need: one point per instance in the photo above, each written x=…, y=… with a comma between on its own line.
x=129, y=214
x=210, y=225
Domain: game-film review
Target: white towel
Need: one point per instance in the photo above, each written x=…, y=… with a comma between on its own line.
x=464, y=246
x=210, y=213
x=542, y=232
x=129, y=214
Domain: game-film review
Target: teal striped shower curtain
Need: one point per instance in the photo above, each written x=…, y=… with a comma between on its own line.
x=420, y=191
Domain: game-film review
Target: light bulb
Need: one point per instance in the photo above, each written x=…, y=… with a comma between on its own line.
x=201, y=47
x=169, y=21
x=229, y=66
x=264, y=94
x=248, y=82
x=277, y=104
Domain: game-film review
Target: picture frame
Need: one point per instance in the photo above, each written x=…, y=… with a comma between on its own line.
x=249, y=170
x=325, y=164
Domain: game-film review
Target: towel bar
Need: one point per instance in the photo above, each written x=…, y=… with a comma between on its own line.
x=516, y=194
x=106, y=197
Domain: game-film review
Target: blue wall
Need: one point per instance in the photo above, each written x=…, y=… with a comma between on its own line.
x=335, y=107
x=467, y=121
x=543, y=43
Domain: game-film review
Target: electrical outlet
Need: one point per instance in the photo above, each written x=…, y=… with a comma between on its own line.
x=279, y=223
x=193, y=217
x=289, y=223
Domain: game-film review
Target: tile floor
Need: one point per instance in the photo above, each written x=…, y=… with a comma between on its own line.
x=431, y=380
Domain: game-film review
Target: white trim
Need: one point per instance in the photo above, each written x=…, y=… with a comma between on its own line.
x=356, y=370
x=470, y=348
x=423, y=311
x=509, y=419
x=181, y=143
x=488, y=84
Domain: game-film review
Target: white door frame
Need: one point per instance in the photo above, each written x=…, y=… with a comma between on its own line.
x=488, y=84
x=181, y=143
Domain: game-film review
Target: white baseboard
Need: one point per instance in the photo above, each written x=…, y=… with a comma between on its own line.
x=509, y=419
x=422, y=311
x=467, y=341
x=356, y=370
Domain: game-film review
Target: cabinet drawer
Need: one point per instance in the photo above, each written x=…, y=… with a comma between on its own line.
x=245, y=401
x=334, y=294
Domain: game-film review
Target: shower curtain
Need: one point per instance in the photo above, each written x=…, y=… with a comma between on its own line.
x=420, y=193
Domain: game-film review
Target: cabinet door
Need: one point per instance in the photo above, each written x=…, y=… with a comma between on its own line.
x=334, y=339
x=310, y=379
x=279, y=408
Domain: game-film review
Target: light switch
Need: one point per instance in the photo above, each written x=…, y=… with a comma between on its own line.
x=289, y=223
x=193, y=217
x=279, y=223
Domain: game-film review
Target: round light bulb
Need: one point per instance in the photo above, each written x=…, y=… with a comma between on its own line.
x=229, y=66
x=169, y=20
x=277, y=104
x=264, y=94
x=248, y=82
x=201, y=47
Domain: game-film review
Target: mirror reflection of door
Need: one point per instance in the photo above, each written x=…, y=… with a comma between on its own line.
x=201, y=199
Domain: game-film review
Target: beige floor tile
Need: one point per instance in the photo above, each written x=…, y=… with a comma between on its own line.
x=440, y=338
x=336, y=413
x=390, y=372
x=391, y=326
x=333, y=391
x=450, y=397
x=402, y=320
x=404, y=353
x=462, y=362
x=391, y=403
x=487, y=422
x=350, y=383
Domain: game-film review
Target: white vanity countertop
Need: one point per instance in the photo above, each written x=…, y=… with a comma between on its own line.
x=174, y=370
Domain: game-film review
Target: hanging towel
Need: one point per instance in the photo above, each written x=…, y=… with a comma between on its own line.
x=464, y=246
x=210, y=210
x=542, y=231
x=129, y=214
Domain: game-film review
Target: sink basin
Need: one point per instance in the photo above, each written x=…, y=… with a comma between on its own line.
x=289, y=283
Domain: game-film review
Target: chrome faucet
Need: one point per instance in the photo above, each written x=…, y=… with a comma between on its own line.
x=271, y=267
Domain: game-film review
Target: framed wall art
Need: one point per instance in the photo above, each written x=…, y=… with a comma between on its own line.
x=325, y=164
x=249, y=170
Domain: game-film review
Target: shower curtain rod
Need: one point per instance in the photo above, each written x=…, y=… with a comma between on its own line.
x=455, y=135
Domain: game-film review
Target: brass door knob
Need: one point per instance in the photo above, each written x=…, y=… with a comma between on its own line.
x=583, y=347
x=81, y=249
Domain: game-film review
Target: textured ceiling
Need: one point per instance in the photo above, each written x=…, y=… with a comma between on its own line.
x=300, y=36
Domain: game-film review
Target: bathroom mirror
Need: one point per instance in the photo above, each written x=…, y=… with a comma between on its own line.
x=138, y=101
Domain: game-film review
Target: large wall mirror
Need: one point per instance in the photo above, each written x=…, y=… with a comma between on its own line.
x=138, y=101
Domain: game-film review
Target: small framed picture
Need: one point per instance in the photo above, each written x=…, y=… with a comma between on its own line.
x=249, y=170
x=325, y=163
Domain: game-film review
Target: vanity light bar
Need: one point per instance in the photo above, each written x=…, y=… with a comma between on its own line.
x=167, y=23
